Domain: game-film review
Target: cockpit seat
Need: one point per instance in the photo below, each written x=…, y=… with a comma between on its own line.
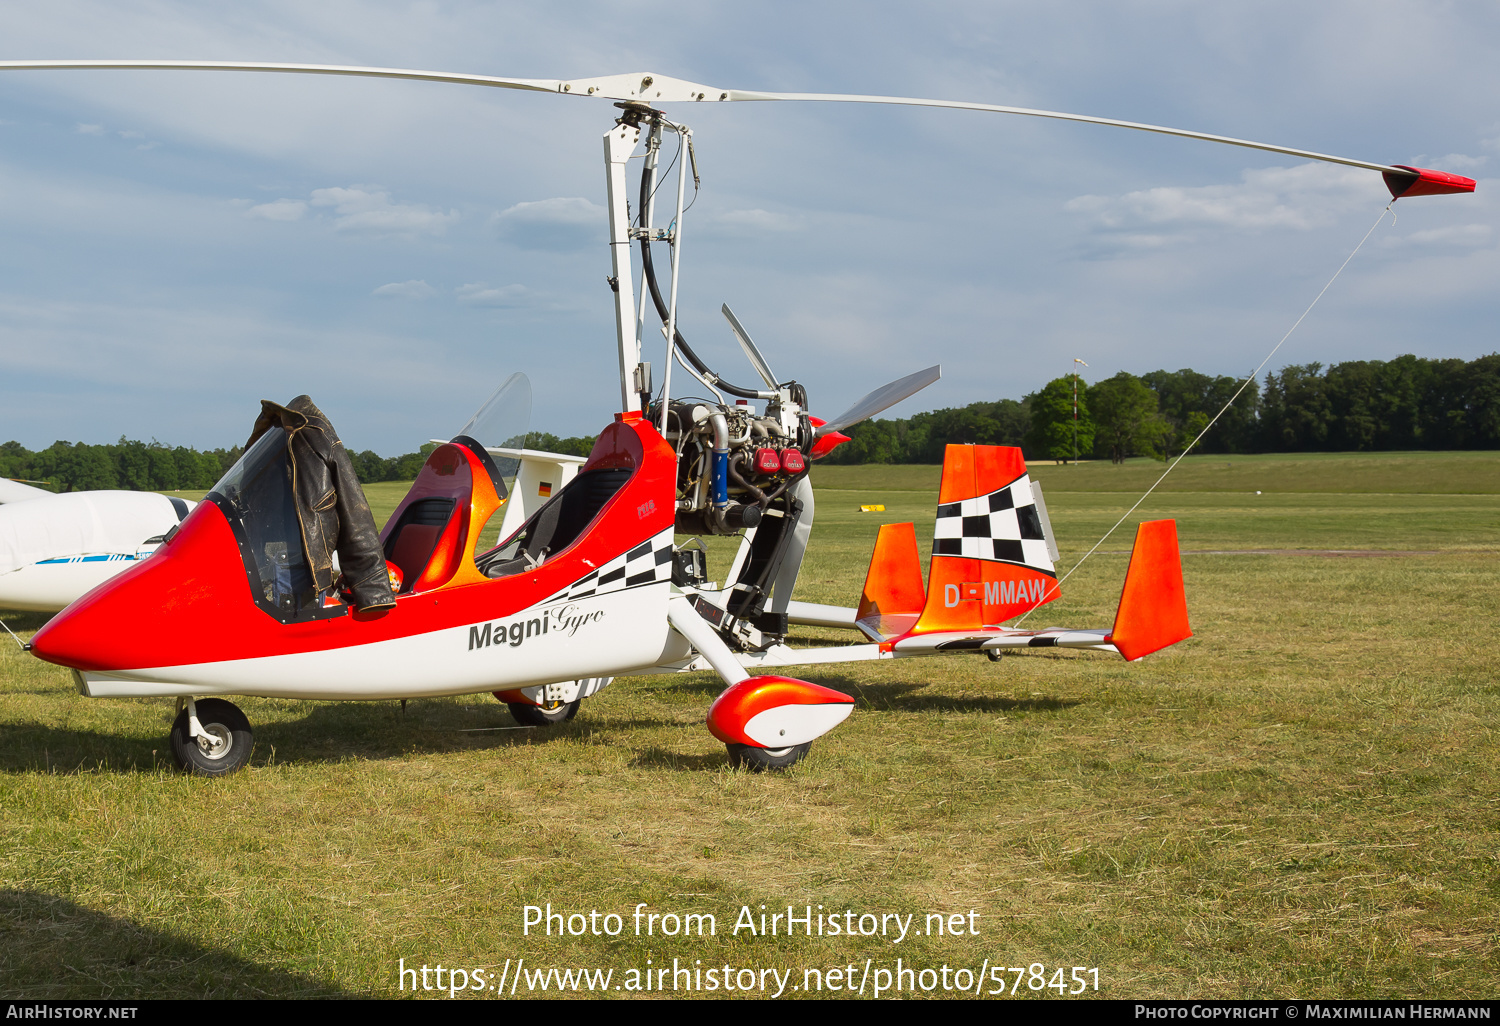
x=561, y=521
x=411, y=543
x=428, y=534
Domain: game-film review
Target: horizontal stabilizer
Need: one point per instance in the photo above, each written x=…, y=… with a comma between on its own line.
x=998, y=639
x=1153, y=604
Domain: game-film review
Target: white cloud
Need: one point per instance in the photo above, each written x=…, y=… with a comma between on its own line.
x=414, y=289
x=563, y=222
x=361, y=209
x=368, y=209
x=480, y=294
x=1301, y=197
x=1459, y=162
x=278, y=210
x=90, y=129
x=757, y=221
x=1454, y=235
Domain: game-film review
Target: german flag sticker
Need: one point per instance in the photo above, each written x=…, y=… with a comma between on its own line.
x=545, y=489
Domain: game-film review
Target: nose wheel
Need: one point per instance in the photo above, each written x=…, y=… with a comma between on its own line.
x=758, y=760
x=210, y=737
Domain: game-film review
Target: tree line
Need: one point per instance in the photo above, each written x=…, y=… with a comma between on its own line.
x=154, y=467
x=1406, y=403
x=137, y=466
x=1363, y=405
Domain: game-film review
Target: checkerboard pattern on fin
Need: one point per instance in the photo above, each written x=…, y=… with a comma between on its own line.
x=647, y=563
x=1002, y=526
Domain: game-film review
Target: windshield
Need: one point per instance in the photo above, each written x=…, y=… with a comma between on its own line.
x=256, y=498
x=500, y=427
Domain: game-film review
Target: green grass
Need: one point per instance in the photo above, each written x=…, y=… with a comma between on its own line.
x=1301, y=800
x=1400, y=472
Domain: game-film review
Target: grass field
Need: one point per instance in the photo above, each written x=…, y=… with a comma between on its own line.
x=1300, y=801
x=1440, y=473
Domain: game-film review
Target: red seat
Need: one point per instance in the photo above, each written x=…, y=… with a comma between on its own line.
x=425, y=536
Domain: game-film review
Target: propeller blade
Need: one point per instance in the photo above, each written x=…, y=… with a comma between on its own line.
x=882, y=398
x=652, y=88
x=756, y=360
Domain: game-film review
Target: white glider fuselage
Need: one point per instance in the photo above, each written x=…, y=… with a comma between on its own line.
x=56, y=548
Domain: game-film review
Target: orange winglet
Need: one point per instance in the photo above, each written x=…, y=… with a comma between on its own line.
x=893, y=594
x=1153, y=604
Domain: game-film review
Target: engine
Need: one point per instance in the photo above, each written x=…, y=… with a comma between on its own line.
x=734, y=466
x=739, y=470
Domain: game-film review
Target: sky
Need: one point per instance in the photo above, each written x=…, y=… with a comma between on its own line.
x=179, y=245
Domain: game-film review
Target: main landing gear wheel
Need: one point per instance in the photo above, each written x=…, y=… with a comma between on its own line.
x=543, y=715
x=224, y=750
x=758, y=760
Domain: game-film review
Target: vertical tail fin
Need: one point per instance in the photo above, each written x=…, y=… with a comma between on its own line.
x=1153, y=603
x=989, y=549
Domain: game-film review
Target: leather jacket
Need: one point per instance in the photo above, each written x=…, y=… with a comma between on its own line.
x=331, y=507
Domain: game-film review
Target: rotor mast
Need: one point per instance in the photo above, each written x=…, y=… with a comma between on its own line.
x=619, y=146
x=620, y=143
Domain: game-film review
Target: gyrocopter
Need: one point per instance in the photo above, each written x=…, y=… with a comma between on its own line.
x=279, y=585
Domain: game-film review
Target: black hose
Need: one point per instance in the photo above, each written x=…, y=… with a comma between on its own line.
x=649, y=273
x=761, y=498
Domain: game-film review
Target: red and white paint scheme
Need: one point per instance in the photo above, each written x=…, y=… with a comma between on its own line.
x=453, y=630
x=590, y=582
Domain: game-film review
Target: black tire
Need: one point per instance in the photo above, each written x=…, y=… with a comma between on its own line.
x=223, y=720
x=758, y=760
x=543, y=715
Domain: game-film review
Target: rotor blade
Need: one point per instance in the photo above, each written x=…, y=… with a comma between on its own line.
x=642, y=86
x=652, y=88
x=756, y=360
x=882, y=398
x=532, y=84
x=743, y=94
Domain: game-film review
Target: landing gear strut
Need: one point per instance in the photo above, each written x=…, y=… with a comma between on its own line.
x=210, y=738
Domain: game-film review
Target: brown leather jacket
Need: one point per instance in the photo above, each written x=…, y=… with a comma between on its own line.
x=331, y=507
